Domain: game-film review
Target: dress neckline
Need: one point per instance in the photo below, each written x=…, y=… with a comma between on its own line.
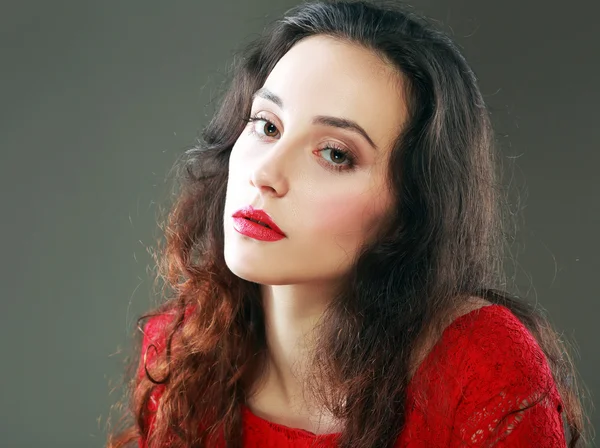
x=298, y=433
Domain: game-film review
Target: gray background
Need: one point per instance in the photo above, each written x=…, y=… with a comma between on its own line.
x=98, y=98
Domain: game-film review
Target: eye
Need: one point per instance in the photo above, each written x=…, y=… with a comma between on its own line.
x=270, y=130
x=331, y=156
x=336, y=156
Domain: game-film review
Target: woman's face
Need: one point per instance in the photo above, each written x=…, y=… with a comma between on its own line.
x=303, y=162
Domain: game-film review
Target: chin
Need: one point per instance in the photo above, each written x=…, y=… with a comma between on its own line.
x=260, y=276
x=255, y=271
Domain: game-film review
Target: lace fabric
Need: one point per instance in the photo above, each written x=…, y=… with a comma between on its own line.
x=486, y=383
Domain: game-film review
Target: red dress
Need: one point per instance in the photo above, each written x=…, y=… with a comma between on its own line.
x=485, y=365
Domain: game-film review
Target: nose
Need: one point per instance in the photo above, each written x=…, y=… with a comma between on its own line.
x=269, y=173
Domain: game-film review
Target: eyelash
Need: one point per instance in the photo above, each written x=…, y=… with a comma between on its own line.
x=350, y=157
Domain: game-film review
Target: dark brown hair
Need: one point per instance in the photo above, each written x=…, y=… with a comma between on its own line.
x=443, y=242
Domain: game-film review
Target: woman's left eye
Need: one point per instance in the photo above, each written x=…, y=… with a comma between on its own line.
x=337, y=159
x=336, y=156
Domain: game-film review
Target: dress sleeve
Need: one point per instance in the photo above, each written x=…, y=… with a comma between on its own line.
x=509, y=398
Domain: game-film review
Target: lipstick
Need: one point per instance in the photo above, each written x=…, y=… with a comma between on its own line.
x=257, y=224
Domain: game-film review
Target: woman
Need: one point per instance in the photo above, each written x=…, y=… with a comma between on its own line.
x=334, y=253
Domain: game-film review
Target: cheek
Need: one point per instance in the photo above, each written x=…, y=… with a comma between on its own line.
x=352, y=216
x=236, y=161
x=236, y=170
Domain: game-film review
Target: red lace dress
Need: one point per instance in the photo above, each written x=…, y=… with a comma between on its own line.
x=485, y=366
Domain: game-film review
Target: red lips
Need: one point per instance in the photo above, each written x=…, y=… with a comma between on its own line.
x=256, y=224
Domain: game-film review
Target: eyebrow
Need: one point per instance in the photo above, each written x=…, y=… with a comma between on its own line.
x=324, y=120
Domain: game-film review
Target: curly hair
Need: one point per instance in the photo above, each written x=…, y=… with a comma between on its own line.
x=443, y=243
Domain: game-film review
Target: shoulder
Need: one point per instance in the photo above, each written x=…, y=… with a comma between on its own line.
x=156, y=327
x=507, y=389
x=494, y=338
x=498, y=358
x=153, y=340
x=155, y=333
x=487, y=351
x=487, y=376
x=504, y=381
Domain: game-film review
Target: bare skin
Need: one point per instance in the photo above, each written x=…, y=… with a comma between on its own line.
x=327, y=202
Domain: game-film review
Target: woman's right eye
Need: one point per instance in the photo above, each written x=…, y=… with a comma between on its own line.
x=269, y=129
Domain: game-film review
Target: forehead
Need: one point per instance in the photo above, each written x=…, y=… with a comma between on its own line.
x=323, y=76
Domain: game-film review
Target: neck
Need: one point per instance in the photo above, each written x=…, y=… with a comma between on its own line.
x=291, y=314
